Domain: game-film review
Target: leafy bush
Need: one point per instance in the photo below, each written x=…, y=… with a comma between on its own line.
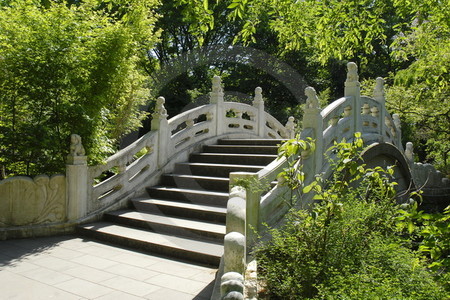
x=69, y=69
x=348, y=245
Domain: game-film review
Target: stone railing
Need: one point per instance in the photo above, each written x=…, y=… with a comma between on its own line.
x=173, y=140
x=249, y=208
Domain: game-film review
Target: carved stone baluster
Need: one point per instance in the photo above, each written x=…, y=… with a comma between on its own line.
x=378, y=94
x=216, y=97
x=398, y=129
x=258, y=103
x=313, y=119
x=160, y=124
x=352, y=89
x=77, y=181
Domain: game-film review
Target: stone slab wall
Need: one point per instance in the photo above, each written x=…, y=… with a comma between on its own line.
x=28, y=201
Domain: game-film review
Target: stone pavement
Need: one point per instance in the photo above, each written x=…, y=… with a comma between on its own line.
x=69, y=267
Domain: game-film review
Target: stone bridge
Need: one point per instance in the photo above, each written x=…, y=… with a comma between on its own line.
x=170, y=191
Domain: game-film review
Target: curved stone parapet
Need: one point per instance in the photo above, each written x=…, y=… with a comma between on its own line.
x=32, y=201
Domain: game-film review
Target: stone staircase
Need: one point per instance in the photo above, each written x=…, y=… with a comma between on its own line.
x=184, y=216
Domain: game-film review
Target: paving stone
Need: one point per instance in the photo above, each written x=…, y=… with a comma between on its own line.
x=175, y=268
x=177, y=283
x=168, y=294
x=46, y=276
x=132, y=272
x=130, y=286
x=14, y=286
x=62, y=271
x=116, y=295
x=54, y=263
x=94, y=261
x=89, y=274
x=84, y=288
x=136, y=259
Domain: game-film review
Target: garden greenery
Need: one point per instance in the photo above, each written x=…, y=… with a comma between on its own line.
x=354, y=243
x=69, y=69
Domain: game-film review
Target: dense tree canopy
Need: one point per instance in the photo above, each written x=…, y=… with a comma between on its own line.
x=406, y=41
x=69, y=69
x=86, y=66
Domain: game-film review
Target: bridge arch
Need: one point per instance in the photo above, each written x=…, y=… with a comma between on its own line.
x=386, y=154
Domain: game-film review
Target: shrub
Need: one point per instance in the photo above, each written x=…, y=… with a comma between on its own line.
x=348, y=245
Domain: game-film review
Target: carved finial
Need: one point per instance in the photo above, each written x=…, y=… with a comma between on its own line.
x=397, y=121
x=312, y=101
x=290, y=128
x=217, y=84
x=160, y=110
x=378, y=92
x=76, y=147
x=258, y=100
x=216, y=95
x=409, y=151
x=352, y=72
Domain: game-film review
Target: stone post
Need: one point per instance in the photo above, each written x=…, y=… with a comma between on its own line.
x=160, y=124
x=253, y=199
x=216, y=97
x=76, y=180
x=258, y=103
x=378, y=94
x=352, y=89
x=398, y=130
x=313, y=119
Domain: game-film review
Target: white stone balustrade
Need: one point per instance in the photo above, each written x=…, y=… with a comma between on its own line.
x=169, y=141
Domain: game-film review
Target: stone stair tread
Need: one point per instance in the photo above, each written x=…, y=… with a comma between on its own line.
x=243, y=146
x=170, y=221
x=186, y=244
x=250, y=141
x=197, y=176
x=220, y=165
x=237, y=154
x=183, y=190
x=178, y=204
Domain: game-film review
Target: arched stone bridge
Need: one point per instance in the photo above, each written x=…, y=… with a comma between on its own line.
x=175, y=180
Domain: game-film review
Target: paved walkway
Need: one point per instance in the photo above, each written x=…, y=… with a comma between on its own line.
x=69, y=267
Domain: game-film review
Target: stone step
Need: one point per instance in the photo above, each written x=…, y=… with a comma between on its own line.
x=196, y=182
x=189, y=228
x=181, y=209
x=202, y=252
x=231, y=158
x=189, y=195
x=242, y=149
x=214, y=170
x=257, y=142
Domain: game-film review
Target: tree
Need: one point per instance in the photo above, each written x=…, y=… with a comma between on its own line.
x=406, y=41
x=69, y=69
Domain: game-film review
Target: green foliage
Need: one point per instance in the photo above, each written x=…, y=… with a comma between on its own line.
x=432, y=233
x=69, y=69
x=294, y=150
x=348, y=245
